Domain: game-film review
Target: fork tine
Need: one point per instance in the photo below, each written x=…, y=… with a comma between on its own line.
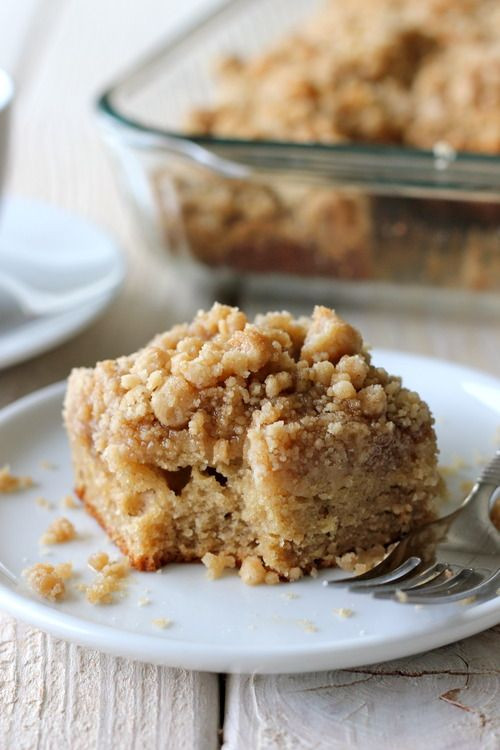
x=487, y=588
x=446, y=582
x=458, y=579
x=382, y=572
x=403, y=583
x=408, y=566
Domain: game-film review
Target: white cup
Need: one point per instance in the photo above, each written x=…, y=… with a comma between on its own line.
x=6, y=96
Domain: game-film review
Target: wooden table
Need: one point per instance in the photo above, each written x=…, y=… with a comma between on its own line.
x=57, y=695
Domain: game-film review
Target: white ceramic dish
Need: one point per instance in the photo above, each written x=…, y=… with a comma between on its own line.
x=53, y=251
x=224, y=625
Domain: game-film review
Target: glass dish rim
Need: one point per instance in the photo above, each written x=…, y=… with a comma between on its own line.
x=105, y=107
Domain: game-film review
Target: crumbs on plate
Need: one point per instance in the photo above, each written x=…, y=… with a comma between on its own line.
x=11, y=483
x=343, y=612
x=42, y=502
x=48, y=580
x=98, y=560
x=161, y=622
x=307, y=626
x=109, y=580
x=61, y=530
x=69, y=501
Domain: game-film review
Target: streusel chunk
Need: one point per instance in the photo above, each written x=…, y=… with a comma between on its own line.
x=48, y=580
x=109, y=580
x=61, y=530
x=273, y=445
x=11, y=483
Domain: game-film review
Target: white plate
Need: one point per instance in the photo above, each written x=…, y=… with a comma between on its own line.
x=224, y=625
x=54, y=250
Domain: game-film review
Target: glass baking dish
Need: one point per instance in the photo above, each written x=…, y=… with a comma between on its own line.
x=358, y=222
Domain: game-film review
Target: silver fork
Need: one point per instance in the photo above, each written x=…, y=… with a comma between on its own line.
x=447, y=560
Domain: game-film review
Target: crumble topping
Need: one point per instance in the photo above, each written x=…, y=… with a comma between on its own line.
x=61, y=530
x=273, y=444
x=391, y=71
x=48, y=580
x=11, y=483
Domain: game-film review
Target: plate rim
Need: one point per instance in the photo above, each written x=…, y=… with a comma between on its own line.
x=201, y=656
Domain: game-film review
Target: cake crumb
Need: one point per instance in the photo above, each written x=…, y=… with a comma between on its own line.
x=61, y=530
x=108, y=581
x=343, y=612
x=467, y=600
x=362, y=561
x=252, y=572
x=98, y=560
x=307, y=626
x=271, y=578
x=48, y=465
x=69, y=501
x=456, y=465
x=11, y=483
x=48, y=580
x=216, y=564
x=401, y=596
x=161, y=622
x=290, y=595
x=42, y=502
x=143, y=601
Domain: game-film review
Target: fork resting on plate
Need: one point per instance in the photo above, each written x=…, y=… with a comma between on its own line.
x=454, y=558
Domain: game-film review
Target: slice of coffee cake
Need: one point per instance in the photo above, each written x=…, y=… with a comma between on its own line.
x=275, y=441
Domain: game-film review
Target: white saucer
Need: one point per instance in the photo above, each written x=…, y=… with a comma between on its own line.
x=223, y=625
x=54, y=250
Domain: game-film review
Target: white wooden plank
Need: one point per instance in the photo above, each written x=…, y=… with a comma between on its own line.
x=55, y=695
x=446, y=699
